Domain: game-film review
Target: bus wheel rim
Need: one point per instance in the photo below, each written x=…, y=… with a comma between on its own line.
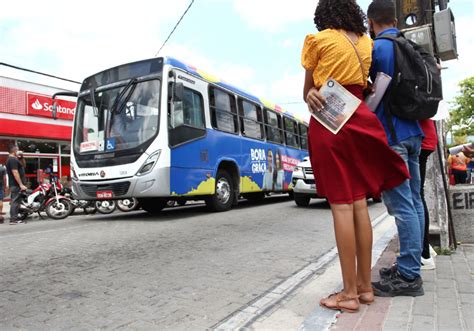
x=223, y=190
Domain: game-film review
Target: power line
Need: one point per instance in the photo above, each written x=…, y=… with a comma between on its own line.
x=169, y=36
x=38, y=72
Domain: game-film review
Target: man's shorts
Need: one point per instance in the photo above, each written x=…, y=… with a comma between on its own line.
x=1, y=193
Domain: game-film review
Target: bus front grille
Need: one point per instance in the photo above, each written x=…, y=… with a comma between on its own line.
x=120, y=188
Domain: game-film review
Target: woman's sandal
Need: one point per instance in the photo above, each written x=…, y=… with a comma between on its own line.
x=336, y=301
x=365, y=297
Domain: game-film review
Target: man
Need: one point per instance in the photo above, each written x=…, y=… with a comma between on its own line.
x=3, y=189
x=15, y=172
x=403, y=202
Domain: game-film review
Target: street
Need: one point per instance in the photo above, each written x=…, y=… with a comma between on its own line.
x=186, y=269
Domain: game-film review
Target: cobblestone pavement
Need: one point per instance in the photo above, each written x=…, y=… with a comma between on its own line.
x=448, y=303
x=186, y=269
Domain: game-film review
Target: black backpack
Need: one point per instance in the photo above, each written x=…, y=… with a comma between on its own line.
x=415, y=90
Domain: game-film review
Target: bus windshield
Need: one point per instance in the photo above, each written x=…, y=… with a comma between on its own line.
x=117, y=119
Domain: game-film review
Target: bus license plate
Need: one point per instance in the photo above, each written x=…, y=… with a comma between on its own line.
x=313, y=186
x=104, y=194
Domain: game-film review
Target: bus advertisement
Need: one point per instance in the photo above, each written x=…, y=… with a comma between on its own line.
x=161, y=130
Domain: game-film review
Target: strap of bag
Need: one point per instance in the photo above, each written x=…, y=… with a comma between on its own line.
x=362, y=68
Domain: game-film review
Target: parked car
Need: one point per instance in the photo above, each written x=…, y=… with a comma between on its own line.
x=304, y=186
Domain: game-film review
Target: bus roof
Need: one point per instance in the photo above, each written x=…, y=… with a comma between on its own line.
x=215, y=80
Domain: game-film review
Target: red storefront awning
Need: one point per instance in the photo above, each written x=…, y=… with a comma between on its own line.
x=32, y=129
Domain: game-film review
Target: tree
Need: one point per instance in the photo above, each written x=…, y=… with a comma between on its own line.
x=461, y=121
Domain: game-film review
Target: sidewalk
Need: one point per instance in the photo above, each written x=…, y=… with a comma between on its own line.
x=448, y=303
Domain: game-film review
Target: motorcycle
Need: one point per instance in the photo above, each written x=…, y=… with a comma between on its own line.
x=46, y=197
x=127, y=205
x=105, y=206
x=87, y=205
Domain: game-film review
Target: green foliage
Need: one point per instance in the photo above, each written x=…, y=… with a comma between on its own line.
x=461, y=121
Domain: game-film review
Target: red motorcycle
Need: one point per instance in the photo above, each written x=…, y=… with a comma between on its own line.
x=46, y=197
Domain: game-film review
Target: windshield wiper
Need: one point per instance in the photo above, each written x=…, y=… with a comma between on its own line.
x=118, y=102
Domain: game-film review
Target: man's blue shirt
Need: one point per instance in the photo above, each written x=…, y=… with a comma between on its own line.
x=383, y=60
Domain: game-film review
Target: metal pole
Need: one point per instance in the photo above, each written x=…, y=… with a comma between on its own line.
x=451, y=234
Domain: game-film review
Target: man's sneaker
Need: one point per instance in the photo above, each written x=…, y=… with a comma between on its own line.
x=13, y=222
x=396, y=285
x=428, y=264
x=387, y=272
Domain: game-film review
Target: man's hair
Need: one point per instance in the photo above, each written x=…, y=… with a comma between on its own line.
x=382, y=11
x=340, y=14
x=11, y=148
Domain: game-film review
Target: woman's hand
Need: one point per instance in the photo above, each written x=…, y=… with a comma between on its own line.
x=315, y=100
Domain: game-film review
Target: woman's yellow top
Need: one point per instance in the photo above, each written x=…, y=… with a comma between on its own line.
x=331, y=55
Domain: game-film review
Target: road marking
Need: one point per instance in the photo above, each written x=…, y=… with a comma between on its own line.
x=249, y=313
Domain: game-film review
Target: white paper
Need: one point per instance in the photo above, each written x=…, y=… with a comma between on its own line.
x=381, y=83
x=339, y=107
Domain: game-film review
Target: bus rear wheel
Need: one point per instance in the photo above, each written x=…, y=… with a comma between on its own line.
x=152, y=205
x=223, y=198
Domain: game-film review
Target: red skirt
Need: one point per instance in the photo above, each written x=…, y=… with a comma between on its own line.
x=357, y=162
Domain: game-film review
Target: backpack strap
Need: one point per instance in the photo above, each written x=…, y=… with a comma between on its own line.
x=362, y=67
x=386, y=97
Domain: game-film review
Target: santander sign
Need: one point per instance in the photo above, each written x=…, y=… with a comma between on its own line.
x=42, y=105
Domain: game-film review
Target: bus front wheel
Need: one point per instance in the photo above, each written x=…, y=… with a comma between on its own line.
x=152, y=205
x=223, y=198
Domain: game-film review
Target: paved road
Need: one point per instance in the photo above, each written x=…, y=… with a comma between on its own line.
x=187, y=269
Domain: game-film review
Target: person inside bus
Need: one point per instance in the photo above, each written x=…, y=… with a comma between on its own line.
x=334, y=52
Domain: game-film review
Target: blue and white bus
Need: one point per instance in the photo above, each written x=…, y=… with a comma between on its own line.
x=161, y=130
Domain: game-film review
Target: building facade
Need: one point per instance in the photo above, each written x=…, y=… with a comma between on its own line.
x=26, y=120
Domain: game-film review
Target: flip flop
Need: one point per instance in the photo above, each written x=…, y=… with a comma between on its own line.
x=340, y=298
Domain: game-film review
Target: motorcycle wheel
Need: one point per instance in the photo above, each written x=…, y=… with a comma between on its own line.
x=59, y=209
x=127, y=205
x=105, y=206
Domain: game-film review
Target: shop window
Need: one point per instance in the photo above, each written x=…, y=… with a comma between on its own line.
x=34, y=146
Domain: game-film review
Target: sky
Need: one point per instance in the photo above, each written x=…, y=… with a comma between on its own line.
x=252, y=44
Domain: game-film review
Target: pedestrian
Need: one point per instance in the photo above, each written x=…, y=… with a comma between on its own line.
x=458, y=165
x=405, y=136
x=3, y=190
x=334, y=52
x=15, y=172
x=428, y=146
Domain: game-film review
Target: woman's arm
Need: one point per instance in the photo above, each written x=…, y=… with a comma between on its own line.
x=311, y=95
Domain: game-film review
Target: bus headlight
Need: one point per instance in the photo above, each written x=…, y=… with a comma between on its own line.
x=149, y=163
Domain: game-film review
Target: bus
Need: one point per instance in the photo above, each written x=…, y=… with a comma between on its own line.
x=160, y=130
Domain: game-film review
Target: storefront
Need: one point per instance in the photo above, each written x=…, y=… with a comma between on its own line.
x=25, y=120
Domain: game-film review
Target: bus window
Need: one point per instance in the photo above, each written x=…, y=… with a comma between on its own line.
x=251, y=119
x=291, y=132
x=273, y=126
x=303, y=136
x=193, y=109
x=223, y=110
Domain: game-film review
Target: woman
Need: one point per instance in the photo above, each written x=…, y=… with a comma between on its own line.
x=356, y=162
x=458, y=166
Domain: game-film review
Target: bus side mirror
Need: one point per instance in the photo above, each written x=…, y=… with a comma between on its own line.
x=55, y=110
x=177, y=114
